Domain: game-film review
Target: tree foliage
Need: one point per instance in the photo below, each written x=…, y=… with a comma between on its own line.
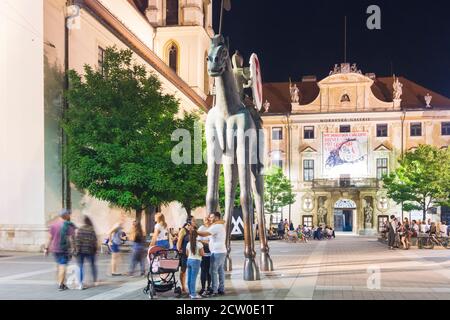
x=422, y=180
x=278, y=191
x=119, y=126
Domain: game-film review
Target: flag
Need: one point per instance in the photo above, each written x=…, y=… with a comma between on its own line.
x=227, y=5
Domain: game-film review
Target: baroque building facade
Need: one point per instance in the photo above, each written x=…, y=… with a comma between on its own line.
x=337, y=137
x=169, y=37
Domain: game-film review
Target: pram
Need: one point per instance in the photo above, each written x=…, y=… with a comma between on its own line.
x=163, y=265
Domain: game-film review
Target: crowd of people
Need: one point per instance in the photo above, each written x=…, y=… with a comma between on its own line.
x=401, y=234
x=202, y=250
x=286, y=231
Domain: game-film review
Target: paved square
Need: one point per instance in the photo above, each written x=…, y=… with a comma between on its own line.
x=341, y=269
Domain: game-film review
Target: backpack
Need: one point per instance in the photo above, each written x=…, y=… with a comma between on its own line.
x=64, y=244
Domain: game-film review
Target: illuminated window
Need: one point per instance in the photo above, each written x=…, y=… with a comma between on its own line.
x=416, y=129
x=277, y=159
x=277, y=134
x=101, y=59
x=308, y=133
x=445, y=128
x=308, y=170
x=172, y=12
x=345, y=129
x=173, y=57
x=345, y=98
x=308, y=221
x=382, y=130
x=382, y=168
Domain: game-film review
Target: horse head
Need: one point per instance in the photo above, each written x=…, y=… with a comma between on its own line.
x=218, y=57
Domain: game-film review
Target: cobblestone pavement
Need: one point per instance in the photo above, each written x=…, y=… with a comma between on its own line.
x=342, y=269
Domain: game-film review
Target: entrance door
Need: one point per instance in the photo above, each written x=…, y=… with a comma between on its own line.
x=348, y=220
x=339, y=221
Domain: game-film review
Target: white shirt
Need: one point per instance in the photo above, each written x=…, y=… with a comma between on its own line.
x=217, y=238
x=197, y=255
x=163, y=233
x=443, y=230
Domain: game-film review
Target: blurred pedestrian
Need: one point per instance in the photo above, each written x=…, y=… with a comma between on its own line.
x=116, y=238
x=86, y=248
x=138, y=251
x=61, y=244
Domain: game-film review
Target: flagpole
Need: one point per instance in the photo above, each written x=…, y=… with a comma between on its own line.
x=221, y=18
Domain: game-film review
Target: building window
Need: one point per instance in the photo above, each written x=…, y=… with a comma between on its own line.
x=172, y=12
x=308, y=170
x=345, y=98
x=309, y=133
x=308, y=221
x=101, y=59
x=382, y=130
x=277, y=134
x=173, y=57
x=277, y=159
x=445, y=128
x=382, y=168
x=416, y=129
x=345, y=129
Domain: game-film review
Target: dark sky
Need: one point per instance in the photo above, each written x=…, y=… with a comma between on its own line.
x=294, y=38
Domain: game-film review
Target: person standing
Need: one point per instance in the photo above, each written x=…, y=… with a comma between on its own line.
x=61, y=243
x=137, y=255
x=161, y=235
x=116, y=238
x=392, y=230
x=86, y=248
x=183, y=239
x=195, y=253
x=205, y=276
x=217, y=234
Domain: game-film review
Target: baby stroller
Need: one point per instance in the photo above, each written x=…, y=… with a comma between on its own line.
x=163, y=265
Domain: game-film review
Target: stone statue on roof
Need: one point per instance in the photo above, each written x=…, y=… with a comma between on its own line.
x=295, y=93
x=428, y=99
x=398, y=89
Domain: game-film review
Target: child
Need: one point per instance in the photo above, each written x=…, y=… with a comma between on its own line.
x=195, y=253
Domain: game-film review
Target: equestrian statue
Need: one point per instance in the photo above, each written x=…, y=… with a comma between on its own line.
x=234, y=141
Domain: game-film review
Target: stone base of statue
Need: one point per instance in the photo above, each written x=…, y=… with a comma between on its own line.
x=228, y=266
x=368, y=232
x=397, y=103
x=266, y=262
x=251, y=270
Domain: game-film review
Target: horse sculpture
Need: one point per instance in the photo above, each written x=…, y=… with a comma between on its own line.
x=231, y=136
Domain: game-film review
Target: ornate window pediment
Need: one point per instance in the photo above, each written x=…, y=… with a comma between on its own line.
x=383, y=148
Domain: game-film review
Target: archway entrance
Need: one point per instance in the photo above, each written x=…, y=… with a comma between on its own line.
x=344, y=214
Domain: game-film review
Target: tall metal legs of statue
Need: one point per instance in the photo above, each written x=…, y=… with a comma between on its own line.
x=231, y=135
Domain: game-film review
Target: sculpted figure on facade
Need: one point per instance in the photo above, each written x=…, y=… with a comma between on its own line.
x=295, y=93
x=398, y=89
x=428, y=99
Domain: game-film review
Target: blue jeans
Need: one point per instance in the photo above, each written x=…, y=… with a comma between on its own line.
x=217, y=269
x=163, y=244
x=137, y=256
x=193, y=268
x=91, y=259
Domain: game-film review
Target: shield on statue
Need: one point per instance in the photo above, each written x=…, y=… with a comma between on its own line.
x=257, y=86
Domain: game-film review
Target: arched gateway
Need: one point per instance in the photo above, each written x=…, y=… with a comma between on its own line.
x=345, y=215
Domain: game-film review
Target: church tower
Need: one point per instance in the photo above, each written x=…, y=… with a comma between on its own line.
x=183, y=29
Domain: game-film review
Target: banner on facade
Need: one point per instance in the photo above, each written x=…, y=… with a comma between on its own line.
x=345, y=154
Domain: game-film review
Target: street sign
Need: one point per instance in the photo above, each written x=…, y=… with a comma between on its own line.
x=257, y=85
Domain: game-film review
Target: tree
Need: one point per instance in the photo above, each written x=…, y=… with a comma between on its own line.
x=190, y=178
x=278, y=191
x=421, y=181
x=119, y=126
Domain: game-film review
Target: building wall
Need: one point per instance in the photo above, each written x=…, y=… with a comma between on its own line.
x=326, y=116
x=31, y=84
x=22, y=172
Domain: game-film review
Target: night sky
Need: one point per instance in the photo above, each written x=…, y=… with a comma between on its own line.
x=294, y=38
